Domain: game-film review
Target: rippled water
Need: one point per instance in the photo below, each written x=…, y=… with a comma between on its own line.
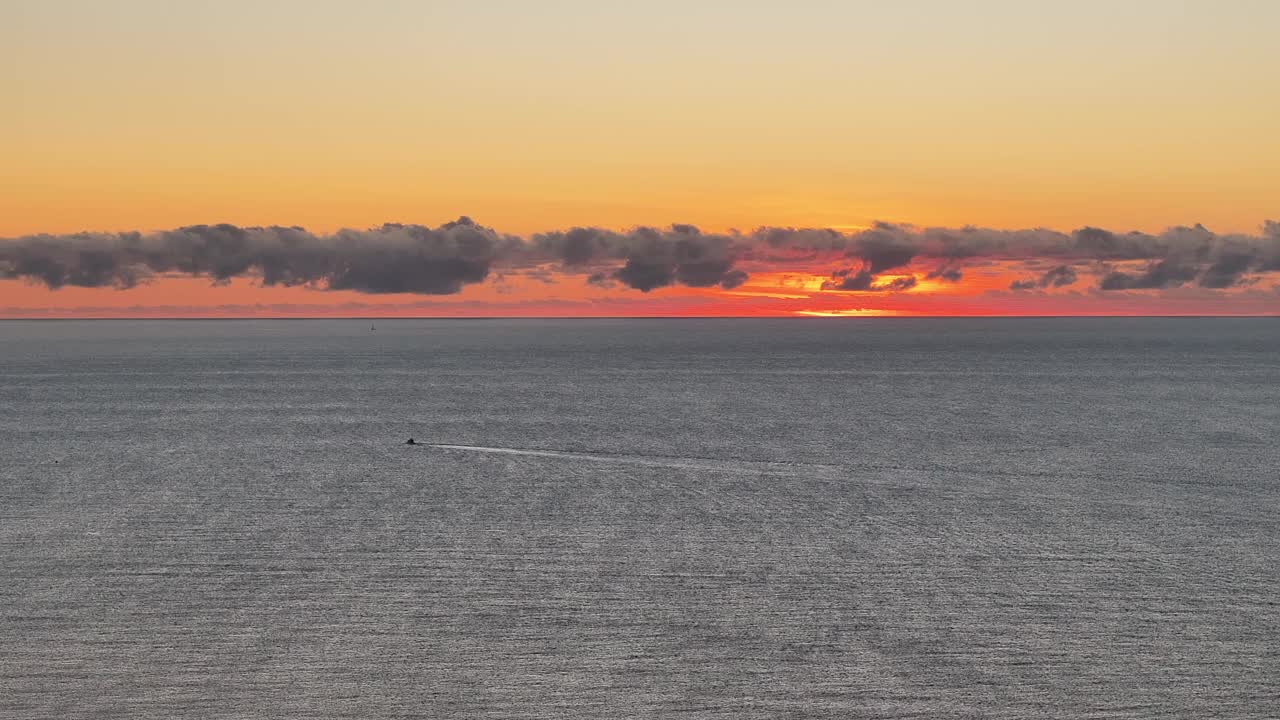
x=695, y=518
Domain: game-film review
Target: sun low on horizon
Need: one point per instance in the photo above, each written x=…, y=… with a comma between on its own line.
x=282, y=158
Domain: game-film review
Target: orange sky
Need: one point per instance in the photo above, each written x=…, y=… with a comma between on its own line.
x=790, y=293
x=149, y=115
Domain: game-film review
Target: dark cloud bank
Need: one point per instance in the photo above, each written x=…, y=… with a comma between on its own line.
x=397, y=258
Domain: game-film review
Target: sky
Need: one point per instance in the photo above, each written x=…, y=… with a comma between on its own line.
x=157, y=158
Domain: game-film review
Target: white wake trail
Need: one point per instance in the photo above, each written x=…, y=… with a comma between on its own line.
x=593, y=457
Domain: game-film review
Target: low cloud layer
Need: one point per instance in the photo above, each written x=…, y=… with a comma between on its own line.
x=415, y=259
x=650, y=258
x=390, y=259
x=1060, y=276
x=865, y=281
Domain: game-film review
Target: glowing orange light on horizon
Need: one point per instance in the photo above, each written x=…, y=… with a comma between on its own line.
x=775, y=296
x=850, y=312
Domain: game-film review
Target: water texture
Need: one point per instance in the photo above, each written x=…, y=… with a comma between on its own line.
x=1051, y=518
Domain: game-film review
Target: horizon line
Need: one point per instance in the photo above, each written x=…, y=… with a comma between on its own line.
x=657, y=317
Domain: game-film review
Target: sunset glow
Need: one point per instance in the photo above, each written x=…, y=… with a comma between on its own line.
x=150, y=117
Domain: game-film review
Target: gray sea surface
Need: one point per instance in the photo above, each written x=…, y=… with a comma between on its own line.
x=873, y=518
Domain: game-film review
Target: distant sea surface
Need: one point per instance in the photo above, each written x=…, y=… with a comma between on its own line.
x=885, y=518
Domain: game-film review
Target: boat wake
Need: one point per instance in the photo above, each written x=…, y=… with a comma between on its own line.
x=647, y=460
x=995, y=480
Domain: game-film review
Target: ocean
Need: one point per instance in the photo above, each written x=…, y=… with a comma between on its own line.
x=798, y=518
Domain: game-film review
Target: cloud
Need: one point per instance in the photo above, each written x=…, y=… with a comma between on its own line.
x=84, y=259
x=946, y=273
x=652, y=258
x=645, y=274
x=733, y=279
x=883, y=247
x=405, y=258
x=1060, y=276
x=577, y=246
x=1270, y=250
x=1221, y=260
x=865, y=281
x=898, y=284
x=848, y=280
x=1099, y=244
x=1227, y=269
x=413, y=259
x=601, y=279
x=1161, y=274
x=393, y=258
